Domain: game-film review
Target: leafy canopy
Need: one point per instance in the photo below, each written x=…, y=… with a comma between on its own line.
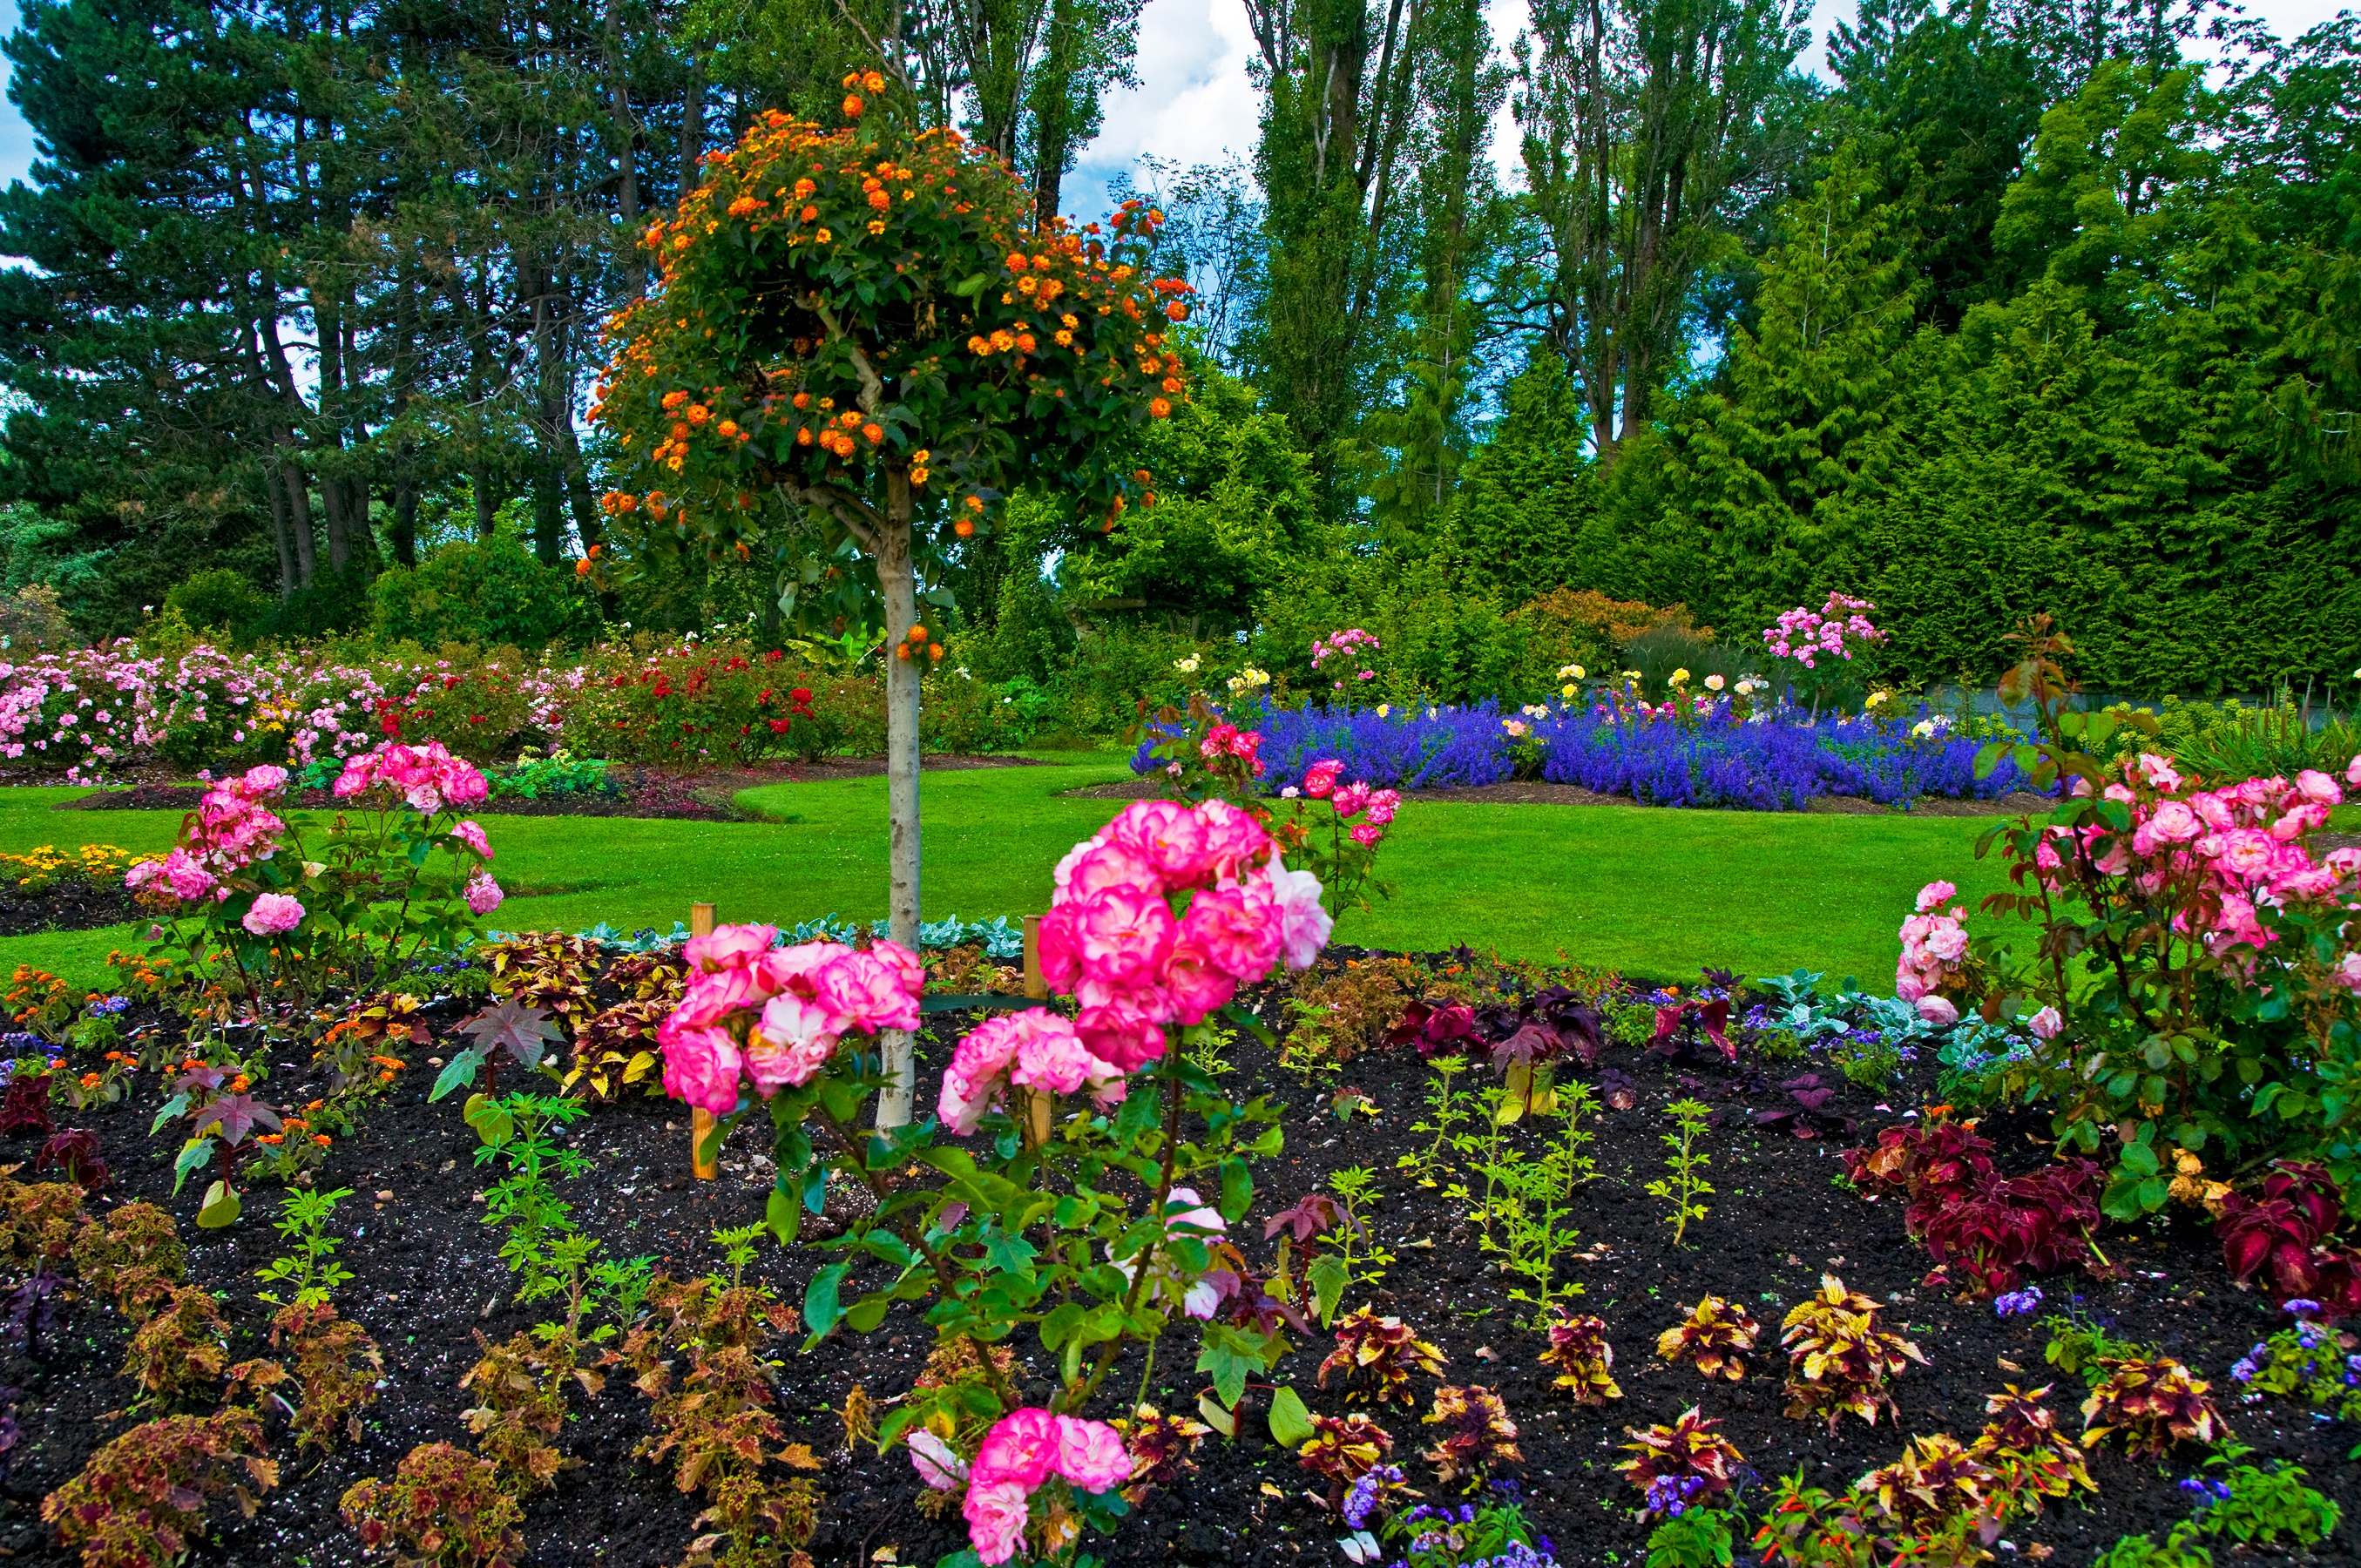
x=868, y=317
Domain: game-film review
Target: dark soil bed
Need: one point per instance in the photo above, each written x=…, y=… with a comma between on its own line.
x=428, y=1282
x=705, y=797
x=72, y=904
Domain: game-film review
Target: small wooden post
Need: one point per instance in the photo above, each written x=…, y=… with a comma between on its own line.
x=1041, y=1106
x=700, y=1122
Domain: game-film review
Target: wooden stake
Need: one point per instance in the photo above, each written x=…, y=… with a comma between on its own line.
x=700, y=1122
x=1041, y=1106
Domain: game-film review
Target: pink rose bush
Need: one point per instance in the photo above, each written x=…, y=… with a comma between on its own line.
x=1032, y=1049
x=1155, y=924
x=2199, y=969
x=758, y=1014
x=369, y=890
x=1025, y=1451
x=1156, y=920
x=1837, y=630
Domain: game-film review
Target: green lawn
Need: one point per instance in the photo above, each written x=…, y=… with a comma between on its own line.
x=1653, y=893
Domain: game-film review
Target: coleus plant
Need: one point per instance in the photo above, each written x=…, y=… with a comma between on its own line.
x=2286, y=1233
x=1680, y=1464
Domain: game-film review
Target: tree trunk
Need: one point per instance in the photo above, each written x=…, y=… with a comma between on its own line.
x=898, y=582
x=280, y=531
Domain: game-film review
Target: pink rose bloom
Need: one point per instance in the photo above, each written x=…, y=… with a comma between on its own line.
x=900, y=963
x=273, y=914
x=2298, y=821
x=2120, y=793
x=1090, y=1454
x=1236, y=928
x=1216, y=741
x=2353, y=771
x=472, y=835
x=1948, y=943
x=1383, y=804
x=1022, y=1446
x=868, y=992
x=2247, y=853
x=1065, y=869
x=1303, y=923
x=1937, y=1011
x=938, y=1464
x=2175, y=822
x=2160, y=771
x=996, y=1512
x=483, y=895
x=1050, y=1056
x=2212, y=810
x=186, y=878
x=1102, y=866
x=1352, y=799
x=795, y=969
x=791, y=1042
x=700, y=1066
x=1166, y=837
x=265, y=780
x=1233, y=840
x=1197, y=985
x=1933, y=895
x=2046, y=1024
x=731, y=946
x=1320, y=778
x=2347, y=972
x=2118, y=858
x=1121, y=1030
x=1062, y=962
x=972, y=1079
x=713, y=995
x=2343, y=862
x=1366, y=834
x=1906, y=983
x=2314, y=784
x=1123, y=934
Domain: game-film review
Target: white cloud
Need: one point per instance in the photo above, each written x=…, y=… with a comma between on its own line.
x=1194, y=104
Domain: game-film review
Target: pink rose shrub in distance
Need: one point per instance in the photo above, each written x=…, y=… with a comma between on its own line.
x=809, y=997
x=1120, y=940
x=243, y=874
x=2196, y=981
x=1023, y=1452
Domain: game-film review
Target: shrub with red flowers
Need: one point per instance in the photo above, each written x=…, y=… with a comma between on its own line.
x=2197, y=977
x=1153, y=926
x=294, y=905
x=684, y=707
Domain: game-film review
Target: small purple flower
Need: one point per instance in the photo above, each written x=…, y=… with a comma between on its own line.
x=2299, y=1305
x=2016, y=1303
x=2242, y=1370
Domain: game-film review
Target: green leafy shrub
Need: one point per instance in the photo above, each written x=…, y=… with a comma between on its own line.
x=488, y=592
x=219, y=601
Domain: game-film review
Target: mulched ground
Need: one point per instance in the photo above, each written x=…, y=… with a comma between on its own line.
x=70, y=903
x=703, y=796
x=429, y=1280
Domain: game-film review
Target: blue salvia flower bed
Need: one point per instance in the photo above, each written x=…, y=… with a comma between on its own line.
x=1778, y=764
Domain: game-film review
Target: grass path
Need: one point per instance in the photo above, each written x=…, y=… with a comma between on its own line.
x=1655, y=893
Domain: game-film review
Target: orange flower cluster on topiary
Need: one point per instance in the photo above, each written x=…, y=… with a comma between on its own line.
x=842, y=312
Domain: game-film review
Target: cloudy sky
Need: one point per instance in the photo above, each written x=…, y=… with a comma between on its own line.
x=1193, y=105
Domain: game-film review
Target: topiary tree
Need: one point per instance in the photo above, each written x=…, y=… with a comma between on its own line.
x=865, y=326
